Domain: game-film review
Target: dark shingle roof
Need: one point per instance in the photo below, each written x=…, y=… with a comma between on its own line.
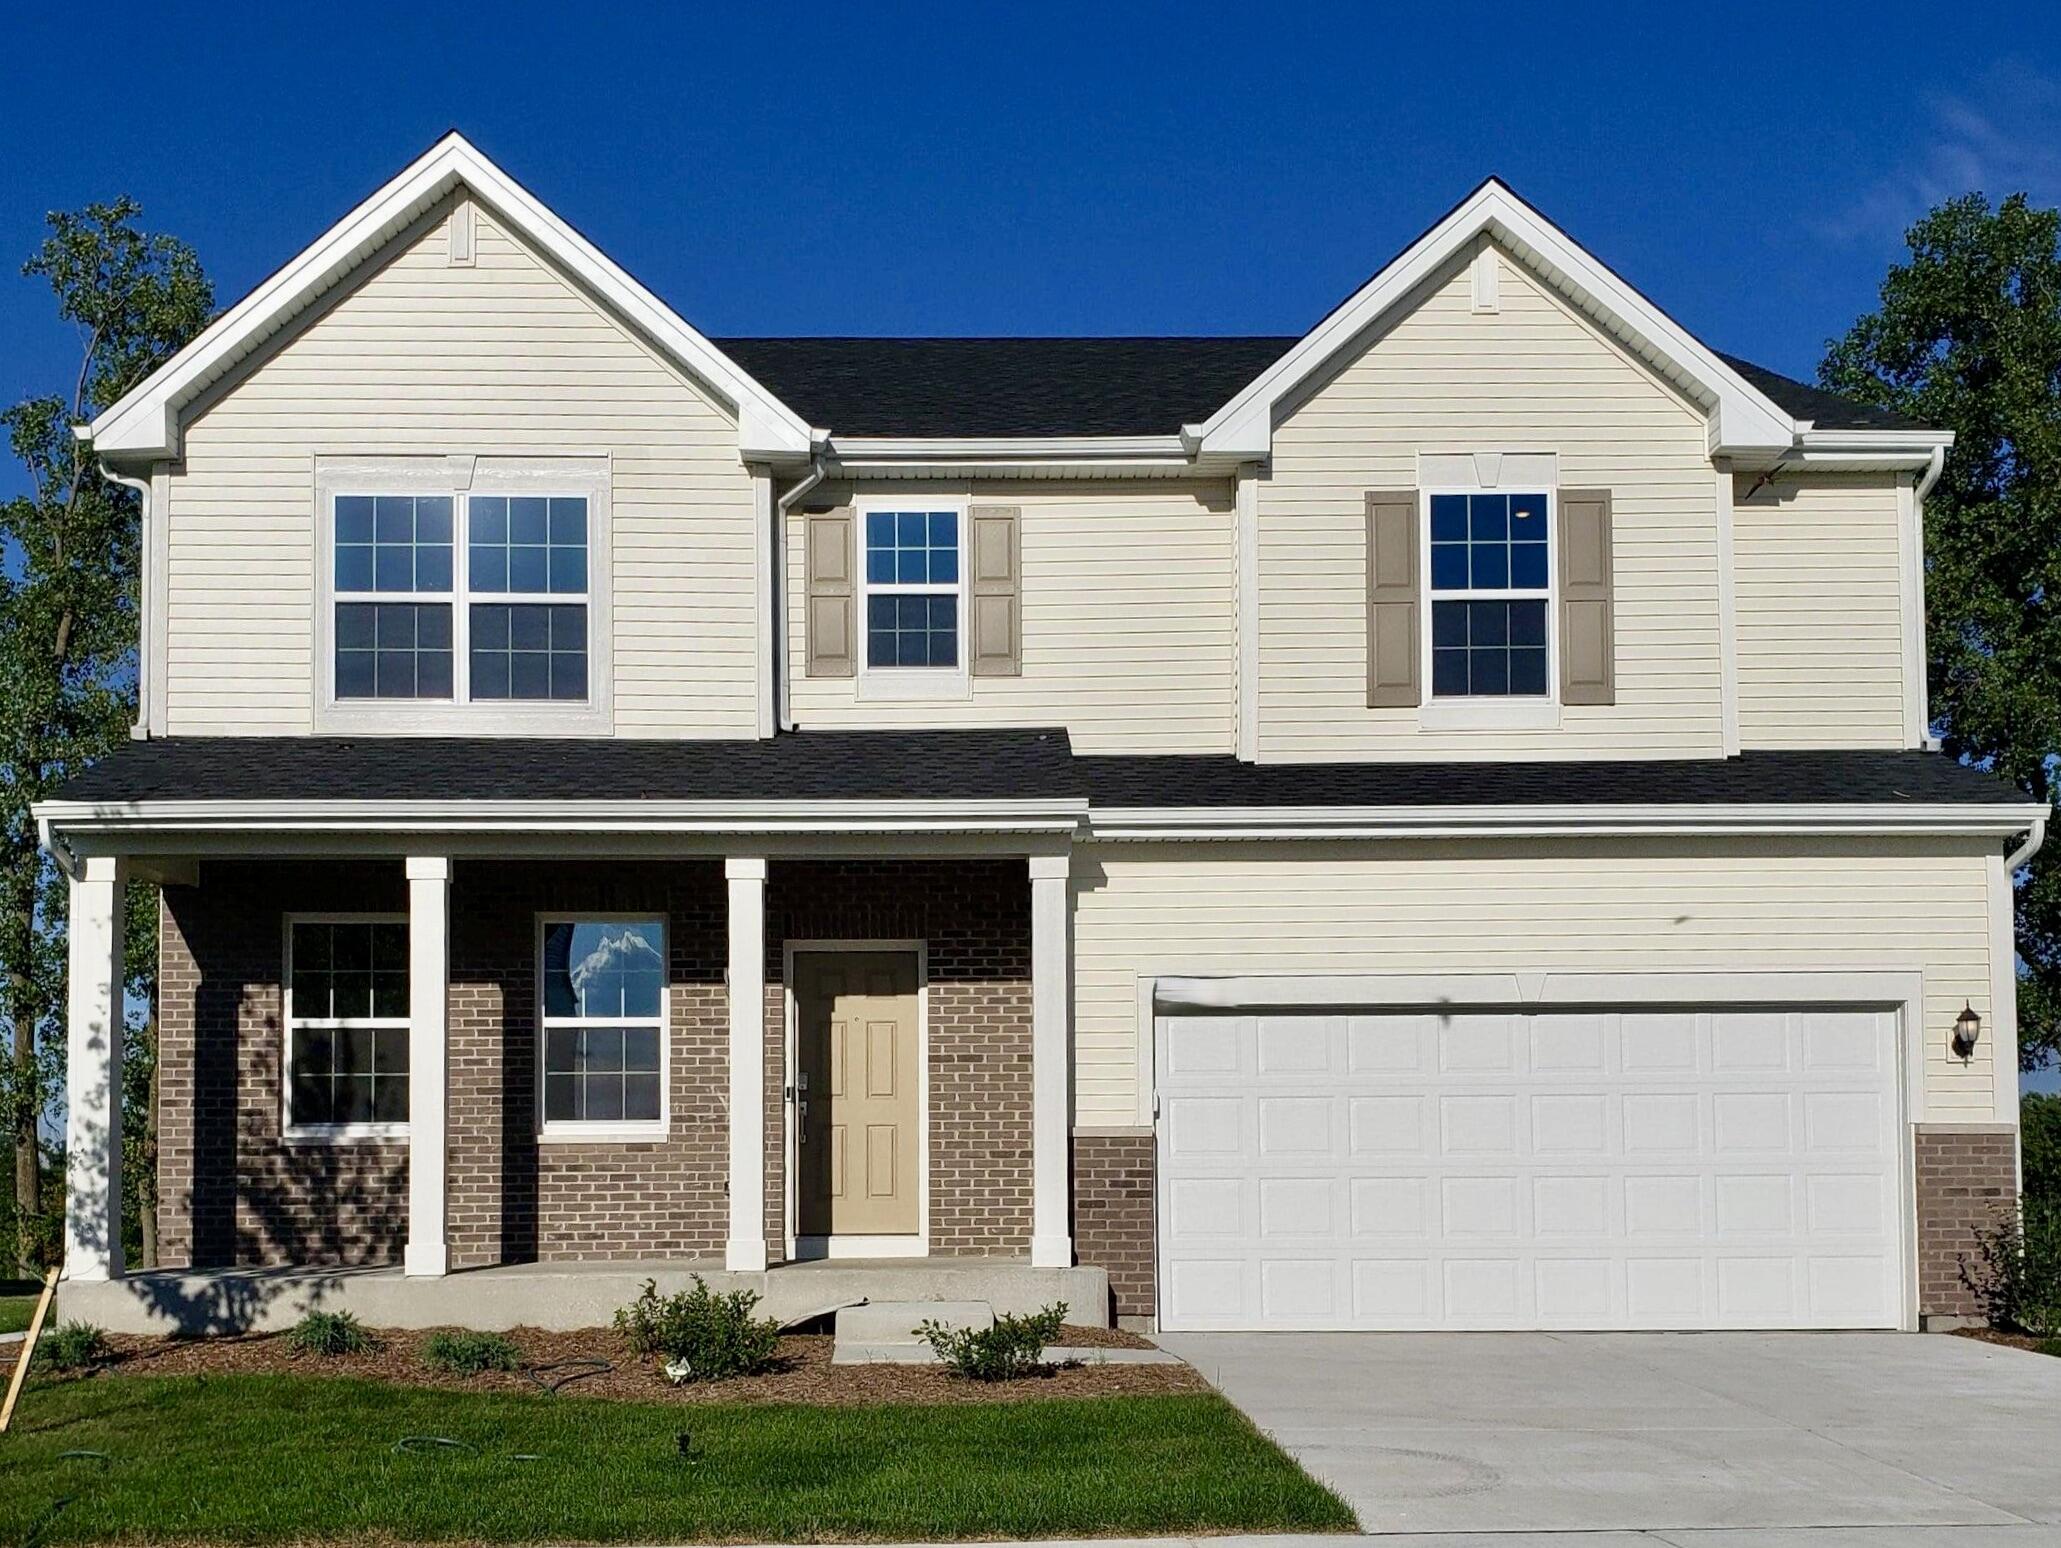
x=1827, y=409
x=1752, y=777
x=851, y=765
x=1083, y=386
x=969, y=765
x=1004, y=387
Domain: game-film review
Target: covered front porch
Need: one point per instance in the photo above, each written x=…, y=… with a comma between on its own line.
x=500, y=1071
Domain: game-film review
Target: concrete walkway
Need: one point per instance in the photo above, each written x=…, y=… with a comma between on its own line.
x=1723, y=1440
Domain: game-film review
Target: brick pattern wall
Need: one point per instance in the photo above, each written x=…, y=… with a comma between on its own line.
x=975, y=917
x=1966, y=1179
x=1113, y=1216
x=514, y=1199
x=231, y=1190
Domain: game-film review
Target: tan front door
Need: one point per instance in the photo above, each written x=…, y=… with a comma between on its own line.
x=856, y=1085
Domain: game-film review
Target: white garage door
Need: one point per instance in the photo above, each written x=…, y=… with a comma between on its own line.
x=1607, y=1169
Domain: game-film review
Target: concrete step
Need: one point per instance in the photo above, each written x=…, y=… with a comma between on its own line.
x=894, y=1322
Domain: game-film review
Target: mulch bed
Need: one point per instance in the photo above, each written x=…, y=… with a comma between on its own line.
x=597, y=1363
x=2014, y=1340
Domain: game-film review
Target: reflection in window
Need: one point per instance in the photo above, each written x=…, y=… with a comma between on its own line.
x=603, y=997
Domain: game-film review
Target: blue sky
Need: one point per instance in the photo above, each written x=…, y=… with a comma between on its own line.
x=1185, y=168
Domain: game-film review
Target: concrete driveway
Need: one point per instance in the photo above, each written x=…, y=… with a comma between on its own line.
x=1671, y=1438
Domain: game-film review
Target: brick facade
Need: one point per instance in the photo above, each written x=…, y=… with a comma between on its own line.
x=1113, y=1216
x=234, y=1192
x=1967, y=1177
x=231, y=1190
x=974, y=916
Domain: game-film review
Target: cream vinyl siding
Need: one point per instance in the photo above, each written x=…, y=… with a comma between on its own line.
x=1128, y=619
x=1468, y=906
x=1533, y=376
x=502, y=357
x=1815, y=561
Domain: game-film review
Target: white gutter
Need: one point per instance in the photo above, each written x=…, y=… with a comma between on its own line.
x=1933, y=469
x=783, y=709
x=1872, y=818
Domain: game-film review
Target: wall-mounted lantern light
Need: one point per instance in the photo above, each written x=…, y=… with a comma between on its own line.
x=1967, y=1029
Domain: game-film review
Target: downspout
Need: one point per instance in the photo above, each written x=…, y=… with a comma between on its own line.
x=145, y=614
x=2028, y=849
x=1933, y=469
x=783, y=710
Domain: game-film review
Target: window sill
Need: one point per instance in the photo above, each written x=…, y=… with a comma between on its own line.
x=1489, y=715
x=604, y=1133
x=481, y=717
x=344, y=1133
x=914, y=685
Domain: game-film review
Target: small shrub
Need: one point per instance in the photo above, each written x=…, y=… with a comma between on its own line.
x=2016, y=1270
x=465, y=1353
x=329, y=1334
x=699, y=1335
x=72, y=1346
x=1013, y=1347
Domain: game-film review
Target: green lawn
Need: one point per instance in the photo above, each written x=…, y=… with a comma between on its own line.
x=276, y=1459
x=15, y=1311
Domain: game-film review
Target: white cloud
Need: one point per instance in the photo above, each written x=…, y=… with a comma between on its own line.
x=2004, y=137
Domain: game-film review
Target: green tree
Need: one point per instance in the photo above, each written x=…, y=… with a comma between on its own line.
x=1968, y=338
x=68, y=611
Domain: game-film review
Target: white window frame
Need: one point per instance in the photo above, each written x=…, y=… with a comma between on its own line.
x=1509, y=474
x=901, y=682
x=460, y=477
x=328, y=1133
x=576, y=1131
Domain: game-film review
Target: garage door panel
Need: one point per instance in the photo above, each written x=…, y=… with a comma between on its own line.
x=1569, y=1170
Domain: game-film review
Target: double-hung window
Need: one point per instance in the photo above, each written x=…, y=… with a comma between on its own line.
x=603, y=999
x=447, y=598
x=346, y=1025
x=913, y=589
x=1491, y=595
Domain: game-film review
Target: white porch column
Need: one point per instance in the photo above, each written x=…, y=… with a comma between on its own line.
x=93, y=1078
x=429, y=1001
x=1051, y=1064
x=745, y=1251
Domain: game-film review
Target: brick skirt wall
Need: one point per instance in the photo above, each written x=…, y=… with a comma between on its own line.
x=1113, y=1215
x=235, y=1192
x=231, y=1190
x=1966, y=1179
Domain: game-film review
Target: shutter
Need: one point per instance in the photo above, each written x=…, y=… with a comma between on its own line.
x=995, y=608
x=1394, y=672
x=1588, y=673
x=831, y=620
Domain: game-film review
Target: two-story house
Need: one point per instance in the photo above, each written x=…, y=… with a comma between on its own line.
x=1426, y=824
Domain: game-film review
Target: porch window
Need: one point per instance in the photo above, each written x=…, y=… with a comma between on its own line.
x=347, y=1025
x=603, y=999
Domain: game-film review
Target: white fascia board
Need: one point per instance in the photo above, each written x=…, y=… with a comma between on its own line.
x=519, y=816
x=145, y=422
x=1743, y=419
x=2001, y=820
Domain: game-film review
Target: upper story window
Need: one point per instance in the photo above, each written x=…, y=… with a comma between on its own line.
x=463, y=592
x=520, y=606
x=913, y=589
x=1491, y=595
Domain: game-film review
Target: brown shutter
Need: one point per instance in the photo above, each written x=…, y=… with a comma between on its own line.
x=832, y=616
x=1394, y=676
x=1588, y=672
x=995, y=607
